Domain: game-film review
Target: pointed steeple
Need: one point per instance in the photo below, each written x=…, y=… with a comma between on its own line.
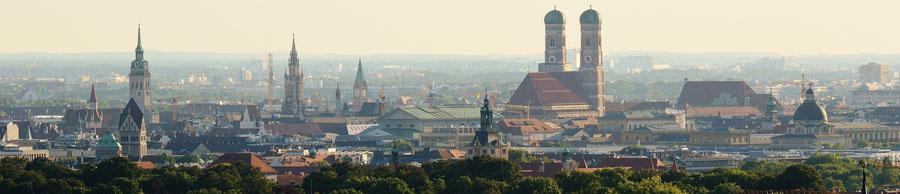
x=337, y=92
x=293, y=44
x=93, y=98
x=360, y=80
x=139, y=49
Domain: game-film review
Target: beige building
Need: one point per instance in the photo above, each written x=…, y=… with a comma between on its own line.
x=874, y=72
x=629, y=120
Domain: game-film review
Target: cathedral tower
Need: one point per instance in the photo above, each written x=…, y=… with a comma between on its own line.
x=293, y=84
x=360, y=87
x=554, y=43
x=590, y=75
x=139, y=79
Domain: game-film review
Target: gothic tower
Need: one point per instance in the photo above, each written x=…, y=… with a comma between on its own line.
x=139, y=79
x=293, y=85
x=132, y=131
x=359, y=89
x=338, y=106
x=590, y=74
x=554, y=43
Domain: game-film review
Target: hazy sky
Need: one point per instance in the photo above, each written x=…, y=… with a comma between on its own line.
x=477, y=27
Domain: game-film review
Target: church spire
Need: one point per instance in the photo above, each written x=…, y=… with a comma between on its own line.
x=93, y=98
x=139, y=49
x=360, y=80
x=293, y=44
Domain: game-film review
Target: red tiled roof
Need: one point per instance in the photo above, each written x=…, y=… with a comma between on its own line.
x=631, y=163
x=145, y=165
x=247, y=158
x=524, y=126
x=702, y=93
x=290, y=179
x=548, y=89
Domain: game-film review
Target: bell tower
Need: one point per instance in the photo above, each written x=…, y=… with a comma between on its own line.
x=591, y=71
x=139, y=79
x=554, y=43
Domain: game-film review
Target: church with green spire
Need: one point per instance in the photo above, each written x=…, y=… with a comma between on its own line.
x=488, y=140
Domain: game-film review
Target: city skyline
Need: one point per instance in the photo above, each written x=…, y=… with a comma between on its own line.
x=409, y=27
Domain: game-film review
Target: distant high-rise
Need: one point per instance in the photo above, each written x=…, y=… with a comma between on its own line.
x=873, y=72
x=338, y=105
x=360, y=87
x=293, y=85
x=139, y=80
x=554, y=43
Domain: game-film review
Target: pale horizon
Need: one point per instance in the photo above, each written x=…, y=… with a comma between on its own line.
x=453, y=28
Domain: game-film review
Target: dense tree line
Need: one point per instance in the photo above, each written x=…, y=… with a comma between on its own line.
x=482, y=174
x=489, y=175
x=119, y=175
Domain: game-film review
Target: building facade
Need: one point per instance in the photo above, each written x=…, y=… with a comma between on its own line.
x=132, y=131
x=874, y=72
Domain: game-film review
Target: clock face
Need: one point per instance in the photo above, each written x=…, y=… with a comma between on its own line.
x=587, y=59
x=135, y=64
x=553, y=59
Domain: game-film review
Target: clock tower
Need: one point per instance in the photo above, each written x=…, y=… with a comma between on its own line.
x=139, y=79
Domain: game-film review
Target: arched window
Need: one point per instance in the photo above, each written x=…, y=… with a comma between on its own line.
x=552, y=43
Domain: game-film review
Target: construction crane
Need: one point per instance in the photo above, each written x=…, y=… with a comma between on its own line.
x=431, y=93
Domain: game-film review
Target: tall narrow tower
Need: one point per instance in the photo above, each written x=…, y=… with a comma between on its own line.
x=554, y=42
x=359, y=89
x=139, y=79
x=293, y=85
x=338, y=105
x=271, y=91
x=590, y=74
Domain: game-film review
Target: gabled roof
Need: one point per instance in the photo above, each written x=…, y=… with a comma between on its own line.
x=704, y=92
x=549, y=89
x=247, y=158
x=132, y=110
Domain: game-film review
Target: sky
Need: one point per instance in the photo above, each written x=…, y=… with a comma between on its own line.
x=468, y=27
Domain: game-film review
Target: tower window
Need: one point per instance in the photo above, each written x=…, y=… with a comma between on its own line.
x=587, y=43
x=552, y=43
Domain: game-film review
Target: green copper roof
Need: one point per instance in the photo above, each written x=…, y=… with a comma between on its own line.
x=554, y=17
x=139, y=47
x=360, y=80
x=590, y=17
x=109, y=141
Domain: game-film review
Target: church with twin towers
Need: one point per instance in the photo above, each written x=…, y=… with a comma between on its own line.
x=558, y=90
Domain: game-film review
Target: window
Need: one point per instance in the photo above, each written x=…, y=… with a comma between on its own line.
x=552, y=43
x=387, y=125
x=411, y=125
x=587, y=43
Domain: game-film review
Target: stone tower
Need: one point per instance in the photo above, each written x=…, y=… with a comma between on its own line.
x=360, y=87
x=132, y=131
x=139, y=80
x=293, y=85
x=338, y=105
x=590, y=75
x=554, y=43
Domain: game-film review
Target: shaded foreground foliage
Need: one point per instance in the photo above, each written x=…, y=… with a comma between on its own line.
x=481, y=174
